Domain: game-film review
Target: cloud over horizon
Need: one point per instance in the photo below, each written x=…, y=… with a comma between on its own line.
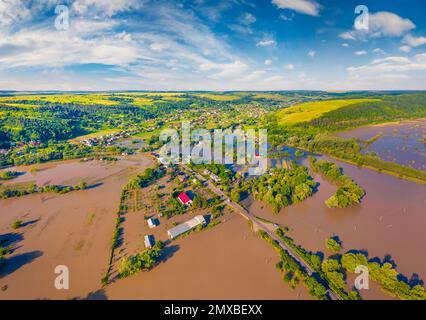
x=210, y=45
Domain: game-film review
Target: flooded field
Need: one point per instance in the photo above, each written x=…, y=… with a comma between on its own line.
x=390, y=220
x=74, y=229
x=403, y=142
x=64, y=173
x=226, y=262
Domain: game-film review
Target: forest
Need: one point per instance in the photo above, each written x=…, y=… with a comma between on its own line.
x=348, y=192
x=316, y=135
x=389, y=108
x=279, y=187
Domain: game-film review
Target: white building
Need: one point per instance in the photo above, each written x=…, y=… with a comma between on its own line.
x=152, y=223
x=186, y=226
x=215, y=178
x=149, y=241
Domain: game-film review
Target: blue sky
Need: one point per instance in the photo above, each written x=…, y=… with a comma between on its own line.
x=212, y=45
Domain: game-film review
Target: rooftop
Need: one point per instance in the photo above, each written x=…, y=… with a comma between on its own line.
x=184, y=198
x=186, y=226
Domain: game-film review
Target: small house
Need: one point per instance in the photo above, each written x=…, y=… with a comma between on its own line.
x=149, y=241
x=215, y=178
x=182, y=178
x=152, y=223
x=184, y=199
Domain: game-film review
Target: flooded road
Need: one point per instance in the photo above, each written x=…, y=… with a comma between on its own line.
x=75, y=230
x=391, y=220
x=226, y=262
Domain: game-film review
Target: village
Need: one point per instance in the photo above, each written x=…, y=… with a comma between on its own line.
x=105, y=140
x=178, y=230
x=177, y=204
x=201, y=218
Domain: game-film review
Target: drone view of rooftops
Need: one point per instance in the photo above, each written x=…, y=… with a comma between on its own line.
x=208, y=154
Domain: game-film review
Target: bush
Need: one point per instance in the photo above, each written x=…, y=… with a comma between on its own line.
x=333, y=245
x=142, y=261
x=17, y=224
x=348, y=192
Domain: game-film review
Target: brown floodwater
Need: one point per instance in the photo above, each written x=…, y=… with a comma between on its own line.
x=391, y=220
x=63, y=173
x=226, y=262
x=74, y=230
x=402, y=142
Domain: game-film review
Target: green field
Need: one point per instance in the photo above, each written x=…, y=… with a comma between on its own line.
x=35, y=100
x=219, y=97
x=308, y=111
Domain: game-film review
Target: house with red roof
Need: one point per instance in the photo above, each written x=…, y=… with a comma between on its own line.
x=185, y=199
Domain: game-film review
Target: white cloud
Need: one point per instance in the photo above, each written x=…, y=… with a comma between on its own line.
x=43, y=47
x=266, y=43
x=389, y=24
x=405, y=49
x=172, y=63
x=360, y=53
x=248, y=18
x=12, y=11
x=347, y=35
x=255, y=75
x=244, y=29
x=175, y=49
x=287, y=17
x=224, y=70
x=389, y=73
x=381, y=24
x=104, y=8
x=158, y=46
x=243, y=24
x=345, y=45
x=414, y=41
x=124, y=36
x=268, y=62
x=173, y=34
x=309, y=7
x=378, y=51
x=312, y=53
x=391, y=65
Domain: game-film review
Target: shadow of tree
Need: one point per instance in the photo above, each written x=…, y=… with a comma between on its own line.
x=96, y=295
x=28, y=223
x=168, y=252
x=15, y=262
x=8, y=239
x=93, y=186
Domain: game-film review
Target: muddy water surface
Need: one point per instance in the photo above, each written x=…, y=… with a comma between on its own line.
x=226, y=262
x=391, y=220
x=403, y=142
x=74, y=230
